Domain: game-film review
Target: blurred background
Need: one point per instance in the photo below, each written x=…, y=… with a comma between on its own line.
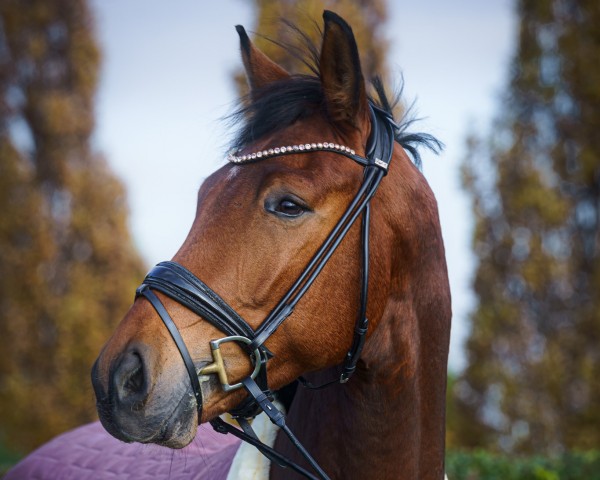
x=112, y=113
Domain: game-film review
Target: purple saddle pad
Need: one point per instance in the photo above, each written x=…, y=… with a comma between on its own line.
x=89, y=452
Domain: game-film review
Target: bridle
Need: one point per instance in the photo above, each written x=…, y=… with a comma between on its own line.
x=181, y=285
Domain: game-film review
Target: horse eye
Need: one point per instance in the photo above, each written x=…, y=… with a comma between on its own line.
x=286, y=208
x=289, y=208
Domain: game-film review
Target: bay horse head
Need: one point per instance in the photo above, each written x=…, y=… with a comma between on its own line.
x=274, y=277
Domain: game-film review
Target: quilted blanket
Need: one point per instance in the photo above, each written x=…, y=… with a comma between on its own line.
x=89, y=452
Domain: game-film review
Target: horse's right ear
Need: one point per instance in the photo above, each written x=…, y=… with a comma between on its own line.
x=341, y=75
x=260, y=69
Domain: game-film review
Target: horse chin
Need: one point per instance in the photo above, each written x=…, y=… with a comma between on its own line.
x=176, y=434
x=179, y=428
x=176, y=429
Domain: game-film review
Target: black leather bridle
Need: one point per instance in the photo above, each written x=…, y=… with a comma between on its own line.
x=178, y=283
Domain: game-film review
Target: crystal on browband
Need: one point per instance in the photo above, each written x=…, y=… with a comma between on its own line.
x=271, y=152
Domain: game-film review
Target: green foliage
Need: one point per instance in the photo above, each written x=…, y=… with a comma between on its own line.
x=67, y=265
x=535, y=188
x=8, y=458
x=481, y=465
x=452, y=416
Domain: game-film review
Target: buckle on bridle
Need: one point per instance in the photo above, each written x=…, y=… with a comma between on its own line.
x=381, y=164
x=218, y=366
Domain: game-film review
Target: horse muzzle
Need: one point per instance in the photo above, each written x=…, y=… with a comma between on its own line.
x=136, y=405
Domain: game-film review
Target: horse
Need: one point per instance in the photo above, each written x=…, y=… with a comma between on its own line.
x=279, y=291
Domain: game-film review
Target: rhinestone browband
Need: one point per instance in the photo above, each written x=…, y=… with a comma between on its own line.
x=271, y=152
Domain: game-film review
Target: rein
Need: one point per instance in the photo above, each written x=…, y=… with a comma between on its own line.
x=181, y=285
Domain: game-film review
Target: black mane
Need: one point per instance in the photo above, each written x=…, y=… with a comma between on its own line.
x=284, y=102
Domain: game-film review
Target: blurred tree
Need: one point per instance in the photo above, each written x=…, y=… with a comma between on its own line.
x=67, y=265
x=366, y=17
x=533, y=380
x=451, y=416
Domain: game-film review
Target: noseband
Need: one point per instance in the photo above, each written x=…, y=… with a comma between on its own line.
x=179, y=284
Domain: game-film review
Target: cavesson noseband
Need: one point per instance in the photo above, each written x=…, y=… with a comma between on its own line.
x=178, y=283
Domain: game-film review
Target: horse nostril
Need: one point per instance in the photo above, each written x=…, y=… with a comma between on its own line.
x=136, y=381
x=130, y=380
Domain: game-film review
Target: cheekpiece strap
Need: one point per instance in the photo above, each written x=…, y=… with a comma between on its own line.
x=380, y=146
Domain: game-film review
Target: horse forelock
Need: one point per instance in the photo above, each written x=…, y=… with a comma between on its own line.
x=285, y=102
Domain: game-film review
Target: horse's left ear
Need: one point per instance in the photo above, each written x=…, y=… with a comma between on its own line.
x=260, y=69
x=341, y=75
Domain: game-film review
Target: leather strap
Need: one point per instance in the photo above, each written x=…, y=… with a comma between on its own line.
x=145, y=291
x=184, y=287
x=223, y=427
x=286, y=305
x=362, y=322
x=278, y=419
x=380, y=146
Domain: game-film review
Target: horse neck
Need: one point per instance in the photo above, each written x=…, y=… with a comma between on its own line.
x=387, y=422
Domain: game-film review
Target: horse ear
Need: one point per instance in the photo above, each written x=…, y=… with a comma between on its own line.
x=341, y=75
x=260, y=69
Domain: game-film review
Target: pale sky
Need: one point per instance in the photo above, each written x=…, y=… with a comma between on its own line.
x=166, y=83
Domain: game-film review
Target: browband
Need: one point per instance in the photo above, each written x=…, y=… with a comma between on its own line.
x=379, y=152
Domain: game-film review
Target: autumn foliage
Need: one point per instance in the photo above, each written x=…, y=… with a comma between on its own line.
x=274, y=17
x=532, y=382
x=67, y=265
